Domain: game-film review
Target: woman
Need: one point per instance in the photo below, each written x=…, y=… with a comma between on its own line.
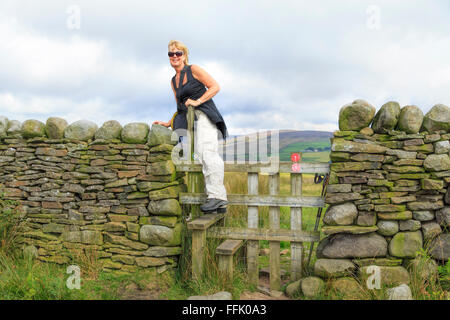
x=188, y=86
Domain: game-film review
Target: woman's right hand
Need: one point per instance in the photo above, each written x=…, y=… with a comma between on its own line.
x=162, y=123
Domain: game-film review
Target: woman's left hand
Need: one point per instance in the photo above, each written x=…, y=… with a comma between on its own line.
x=194, y=103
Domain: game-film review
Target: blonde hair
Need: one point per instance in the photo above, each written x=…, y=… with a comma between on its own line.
x=180, y=45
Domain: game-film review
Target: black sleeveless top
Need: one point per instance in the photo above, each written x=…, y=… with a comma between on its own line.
x=194, y=89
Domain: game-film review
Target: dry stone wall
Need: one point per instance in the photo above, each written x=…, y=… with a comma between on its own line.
x=109, y=191
x=388, y=193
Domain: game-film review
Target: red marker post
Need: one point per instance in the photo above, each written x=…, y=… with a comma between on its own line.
x=296, y=157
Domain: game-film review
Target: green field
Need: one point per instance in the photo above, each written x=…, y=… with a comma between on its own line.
x=323, y=147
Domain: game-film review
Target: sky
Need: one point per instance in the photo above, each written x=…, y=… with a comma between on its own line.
x=280, y=64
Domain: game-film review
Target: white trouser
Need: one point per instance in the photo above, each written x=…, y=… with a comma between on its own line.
x=206, y=150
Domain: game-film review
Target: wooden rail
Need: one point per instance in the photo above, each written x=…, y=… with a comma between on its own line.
x=284, y=167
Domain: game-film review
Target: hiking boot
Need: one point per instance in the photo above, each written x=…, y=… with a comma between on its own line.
x=213, y=204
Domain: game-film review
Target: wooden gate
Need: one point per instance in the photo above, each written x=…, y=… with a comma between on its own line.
x=205, y=225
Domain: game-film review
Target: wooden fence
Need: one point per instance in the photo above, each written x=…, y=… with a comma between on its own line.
x=206, y=225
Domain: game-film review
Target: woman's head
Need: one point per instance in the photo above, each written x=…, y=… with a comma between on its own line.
x=175, y=45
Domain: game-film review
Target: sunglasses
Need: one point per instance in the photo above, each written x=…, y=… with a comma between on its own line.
x=178, y=54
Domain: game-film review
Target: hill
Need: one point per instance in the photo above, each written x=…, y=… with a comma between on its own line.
x=311, y=143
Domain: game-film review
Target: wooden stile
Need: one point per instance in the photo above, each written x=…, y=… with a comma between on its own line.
x=274, y=224
x=296, y=224
x=209, y=225
x=225, y=253
x=252, y=222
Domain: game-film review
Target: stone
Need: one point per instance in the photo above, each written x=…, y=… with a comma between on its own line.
x=53, y=228
x=389, y=276
x=115, y=227
x=167, y=207
x=91, y=237
x=340, y=246
x=150, y=261
x=424, y=215
x=111, y=129
x=390, y=208
x=438, y=118
x=123, y=259
x=356, y=116
x=54, y=127
x=443, y=216
x=72, y=236
x=387, y=227
x=410, y=119
x=386, y=118
x=402, y=292
x=341, y=214
x=167, y=193
x=14, y=129
x=293, y=288
x=409, y=225
x=437, y=162
x=135, y=132
x=354, y=166
x=162, y=168
x=390, y=262
x=402, y=154
x=348, y=229
x=333, y=268
x=441, y=147
x=366, y=218
x=159, y=220
x=223, y=295
x=406, y=244
x=312, y=287
x=157, y=251
x=337, y=198
x=3, y=126
x=120, y=240
x=160, y=235
x=366, y=131
x=346, y=289
x=154, y=185
x=82, y=130
x=33, y=128
x=335, y=188
x=161, y=135
x=339, y=156
x=341, y=145
x=430, y=229
x=447, y=196
x=439, y=247
x=425, y=205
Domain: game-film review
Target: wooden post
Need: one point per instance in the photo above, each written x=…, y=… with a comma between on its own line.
x=198, y=246
x=196, y=182
x=274, y=224
x=296, y=224
x=252, y=222
x=195, y=185
x=199, y=227
x=225, y=253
